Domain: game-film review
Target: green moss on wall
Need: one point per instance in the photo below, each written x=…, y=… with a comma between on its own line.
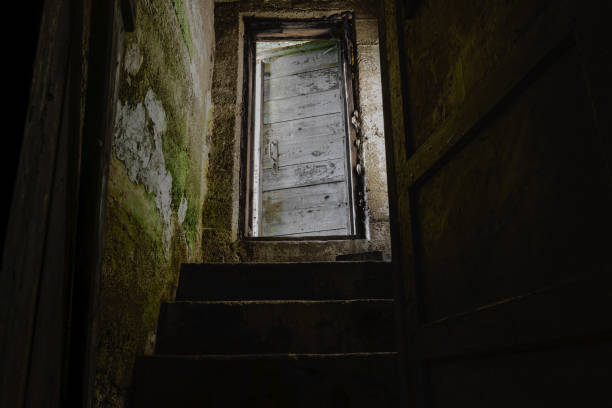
x=191, y=222
x=138, y=204
x=166, y=72
x=178, y=164
x=179, y=8
x=129, y=302
x=141, y=265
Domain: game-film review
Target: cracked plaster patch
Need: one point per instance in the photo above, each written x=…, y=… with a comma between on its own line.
x=137, y=143
x=182, y=211
x=133, y=59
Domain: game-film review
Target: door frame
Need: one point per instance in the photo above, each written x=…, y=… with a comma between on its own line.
x=340, y=27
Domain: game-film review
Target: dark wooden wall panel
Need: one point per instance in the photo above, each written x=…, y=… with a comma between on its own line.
x=46, y=332
x=522, y=196
x=575, y=376
x=23, y=257
x=450, y=48
x=504, y=206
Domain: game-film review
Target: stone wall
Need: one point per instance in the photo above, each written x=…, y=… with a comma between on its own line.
x=157, y=180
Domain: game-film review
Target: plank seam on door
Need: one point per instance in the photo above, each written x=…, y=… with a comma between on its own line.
x=303, y=185
x=300, y=73
x=301, y=118
x=332, y=95
x=302, y=95
x=301, y=233
x=267, y=165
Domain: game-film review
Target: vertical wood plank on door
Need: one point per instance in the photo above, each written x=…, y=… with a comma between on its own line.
x=258, y=140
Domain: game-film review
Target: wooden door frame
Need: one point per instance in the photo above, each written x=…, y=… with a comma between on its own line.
x=340, y=27
x=110, y=20
x=50, y=210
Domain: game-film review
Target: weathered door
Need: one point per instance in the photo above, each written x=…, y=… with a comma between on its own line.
x=304, y=182
x=502, y=172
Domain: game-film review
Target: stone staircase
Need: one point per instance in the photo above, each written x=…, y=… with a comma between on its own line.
x=274, y=335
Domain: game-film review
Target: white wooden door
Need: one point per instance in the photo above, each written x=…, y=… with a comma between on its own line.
x=304, y=181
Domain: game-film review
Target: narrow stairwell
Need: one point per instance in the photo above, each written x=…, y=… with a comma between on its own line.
x=274, y=335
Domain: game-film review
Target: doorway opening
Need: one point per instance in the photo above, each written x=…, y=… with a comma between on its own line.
x=303, y=167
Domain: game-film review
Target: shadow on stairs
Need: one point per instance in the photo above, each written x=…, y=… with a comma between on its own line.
x=274, y=335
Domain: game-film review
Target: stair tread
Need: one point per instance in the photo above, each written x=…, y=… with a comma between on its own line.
x=219, y=327
x=275, y=301
x=272, y=356
x=341, y=380
x=289, y=280
x=241, y=264
x=275, y=335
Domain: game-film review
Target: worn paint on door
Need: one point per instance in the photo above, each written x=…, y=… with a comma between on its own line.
x=303, y=162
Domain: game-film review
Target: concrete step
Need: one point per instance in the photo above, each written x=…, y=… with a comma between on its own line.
x=363, y=256
x=270, y=381
x=246, y=327
x=316, y=280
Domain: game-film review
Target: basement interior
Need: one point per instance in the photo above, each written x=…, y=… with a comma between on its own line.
x=308, y=203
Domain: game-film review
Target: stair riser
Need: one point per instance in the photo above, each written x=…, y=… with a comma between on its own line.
x=264, y=382
x=318, y=281
x=276, y=327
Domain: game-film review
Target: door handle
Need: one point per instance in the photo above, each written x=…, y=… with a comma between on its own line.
x=272, y=156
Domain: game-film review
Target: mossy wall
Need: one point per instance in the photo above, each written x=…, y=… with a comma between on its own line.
x=157, y=181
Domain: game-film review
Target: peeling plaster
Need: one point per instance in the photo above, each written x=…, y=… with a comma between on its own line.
x=182, y=211
x=133, y=59
x=156, y=180
x=137, y=143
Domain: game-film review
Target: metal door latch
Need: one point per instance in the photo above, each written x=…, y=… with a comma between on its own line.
x=275, y=164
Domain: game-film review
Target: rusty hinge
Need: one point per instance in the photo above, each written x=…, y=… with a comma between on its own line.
x=355, y=121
